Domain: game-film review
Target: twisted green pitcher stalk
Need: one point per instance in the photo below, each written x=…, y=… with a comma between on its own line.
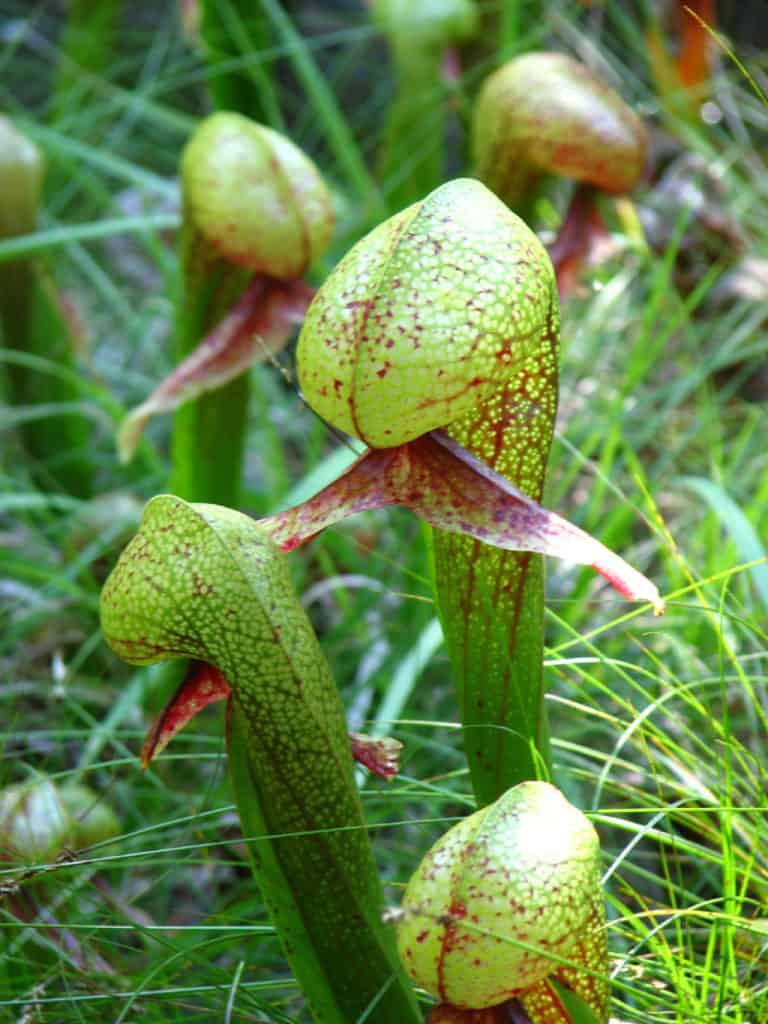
x=205, y=582
x=446, y=316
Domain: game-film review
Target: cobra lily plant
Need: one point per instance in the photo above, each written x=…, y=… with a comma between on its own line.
x=543, y=116
x=256, y=215
x=435, y=342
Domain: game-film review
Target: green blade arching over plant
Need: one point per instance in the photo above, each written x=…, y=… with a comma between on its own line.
x=204, y=582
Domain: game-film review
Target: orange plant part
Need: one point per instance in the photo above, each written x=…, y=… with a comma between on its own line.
x=697, y=17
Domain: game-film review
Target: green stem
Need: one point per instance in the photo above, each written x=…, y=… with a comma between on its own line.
x=208, y=439
x=318, y=878
x=33, y=323
x=497, y=662
x=59, y=444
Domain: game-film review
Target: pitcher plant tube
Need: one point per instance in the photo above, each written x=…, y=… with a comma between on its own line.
x=543, y=115
x=207, y=583
x=504, y=918
x=42, y=375
x=256, y=215
x=446, y=317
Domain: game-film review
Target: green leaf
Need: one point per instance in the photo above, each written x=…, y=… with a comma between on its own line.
x=578, y=1011
x=736, y=524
